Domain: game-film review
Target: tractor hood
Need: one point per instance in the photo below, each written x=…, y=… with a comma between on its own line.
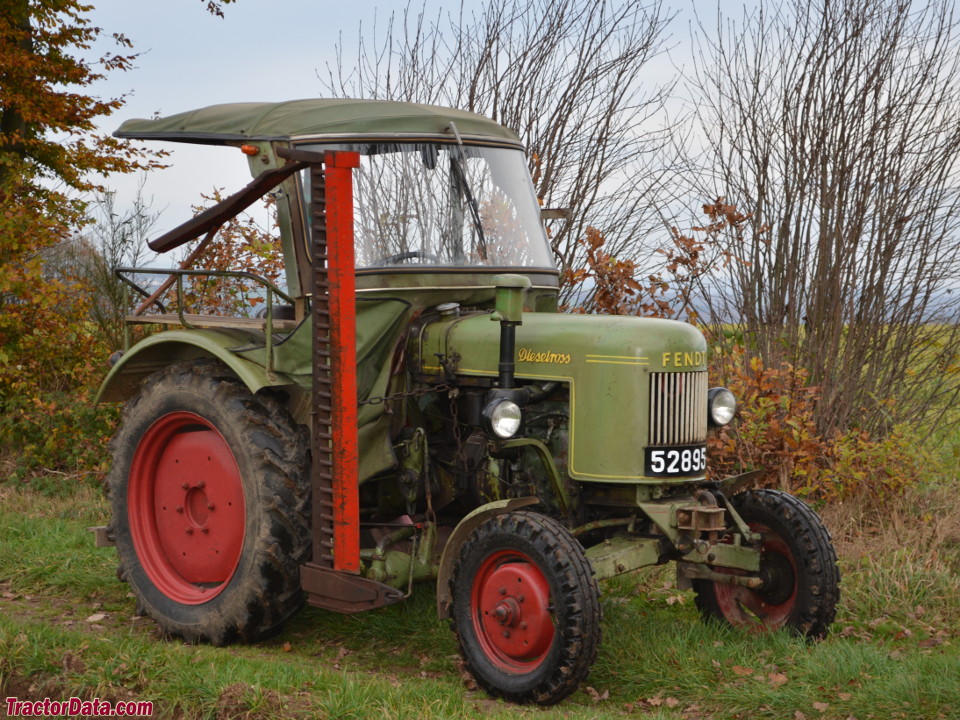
x=608, y=362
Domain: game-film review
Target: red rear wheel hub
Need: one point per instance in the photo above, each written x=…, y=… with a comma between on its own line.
x=186, y=508
x=510, y=606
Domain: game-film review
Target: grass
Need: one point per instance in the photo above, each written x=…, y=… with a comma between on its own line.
x=67, y=628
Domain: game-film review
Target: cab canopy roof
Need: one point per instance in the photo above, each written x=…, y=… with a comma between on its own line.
x=313, y=119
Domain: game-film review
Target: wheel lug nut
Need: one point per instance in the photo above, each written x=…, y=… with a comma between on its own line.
x=520, y=598
x=204, y=530
x=506, y=633
x=523, y=624
x=179, y=508
x=503, y=591
x=210, y=506
x=189, y=531
x=201, y=484
x=186, y=486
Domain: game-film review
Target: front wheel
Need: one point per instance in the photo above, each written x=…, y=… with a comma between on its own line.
x=798, y=566
x=526, y=608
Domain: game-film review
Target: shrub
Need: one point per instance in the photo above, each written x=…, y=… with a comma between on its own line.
x=53, y=358
x=776, y=432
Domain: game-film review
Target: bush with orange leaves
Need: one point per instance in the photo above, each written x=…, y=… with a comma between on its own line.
x=241, y=244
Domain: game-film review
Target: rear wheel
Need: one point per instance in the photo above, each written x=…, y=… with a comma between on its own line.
x=798, y=566
x=210, y=500
x=526, y=608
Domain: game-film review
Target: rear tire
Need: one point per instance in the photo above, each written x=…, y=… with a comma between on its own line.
x=798, y=564
x=211, y=505
x=526, y=608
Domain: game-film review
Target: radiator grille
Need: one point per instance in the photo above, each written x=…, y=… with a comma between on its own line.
x=678, y=408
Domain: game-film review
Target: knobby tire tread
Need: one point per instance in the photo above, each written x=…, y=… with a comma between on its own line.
x=256, y=605
x=578, y=626
x=820, y=593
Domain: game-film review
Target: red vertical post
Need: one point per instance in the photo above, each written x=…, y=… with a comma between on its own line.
x=338, y=169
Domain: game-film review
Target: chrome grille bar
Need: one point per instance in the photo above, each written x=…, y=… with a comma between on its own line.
x=678, y=408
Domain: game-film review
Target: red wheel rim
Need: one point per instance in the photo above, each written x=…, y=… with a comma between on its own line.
x=769, y=607
x=186, y=509
x=510, y=607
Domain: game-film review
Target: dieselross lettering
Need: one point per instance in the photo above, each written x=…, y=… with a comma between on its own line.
x=527, y=355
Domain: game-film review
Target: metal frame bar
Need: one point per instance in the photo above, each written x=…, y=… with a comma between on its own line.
x=343, y=350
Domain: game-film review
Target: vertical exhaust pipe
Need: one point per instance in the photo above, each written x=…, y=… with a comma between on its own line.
x=508, y=309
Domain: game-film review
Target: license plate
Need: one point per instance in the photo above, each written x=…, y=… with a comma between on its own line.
x=675, y=461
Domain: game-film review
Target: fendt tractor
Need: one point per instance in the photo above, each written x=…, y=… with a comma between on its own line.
x=410, y=405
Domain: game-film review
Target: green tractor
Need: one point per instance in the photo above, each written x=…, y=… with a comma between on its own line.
x=412, y=406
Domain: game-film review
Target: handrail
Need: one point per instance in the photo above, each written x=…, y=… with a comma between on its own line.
x=179, y=274
x=216, y=273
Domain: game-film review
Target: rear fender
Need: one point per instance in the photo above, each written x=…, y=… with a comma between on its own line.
x=158, y=351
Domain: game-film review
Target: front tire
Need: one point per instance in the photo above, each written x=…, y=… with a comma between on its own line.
x=526, y=608
x=798, y=565
x=211, y=500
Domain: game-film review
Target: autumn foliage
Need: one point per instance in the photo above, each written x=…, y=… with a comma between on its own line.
x=241, y=244
x=50, y=155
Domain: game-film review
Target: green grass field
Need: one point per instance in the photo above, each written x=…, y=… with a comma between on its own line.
x=67, y=628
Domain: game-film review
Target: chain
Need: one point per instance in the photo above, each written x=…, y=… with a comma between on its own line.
x=380, y=399
x=457, y=433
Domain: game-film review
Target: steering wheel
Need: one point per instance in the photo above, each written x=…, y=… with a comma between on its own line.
x=405, y=256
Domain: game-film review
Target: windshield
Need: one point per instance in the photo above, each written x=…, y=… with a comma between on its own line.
x=443, y=205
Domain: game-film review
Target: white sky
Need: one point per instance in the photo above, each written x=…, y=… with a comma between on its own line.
x=260, y=51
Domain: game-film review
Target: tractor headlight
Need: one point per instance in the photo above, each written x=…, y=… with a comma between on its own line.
x=721, y=406
x=501, y=418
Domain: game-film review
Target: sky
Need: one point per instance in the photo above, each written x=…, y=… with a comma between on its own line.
x=260, y=51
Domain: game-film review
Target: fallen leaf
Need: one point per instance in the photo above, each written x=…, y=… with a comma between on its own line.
x=597, y=696
x=671, y=702
x=655, y=701
x=742, y=671
x=468, y=681
x=287, y=647
x=777, y=679
x=931, y=642
x=845, y=696
x=799, y=716
x=822, y=707
x=97, y=617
